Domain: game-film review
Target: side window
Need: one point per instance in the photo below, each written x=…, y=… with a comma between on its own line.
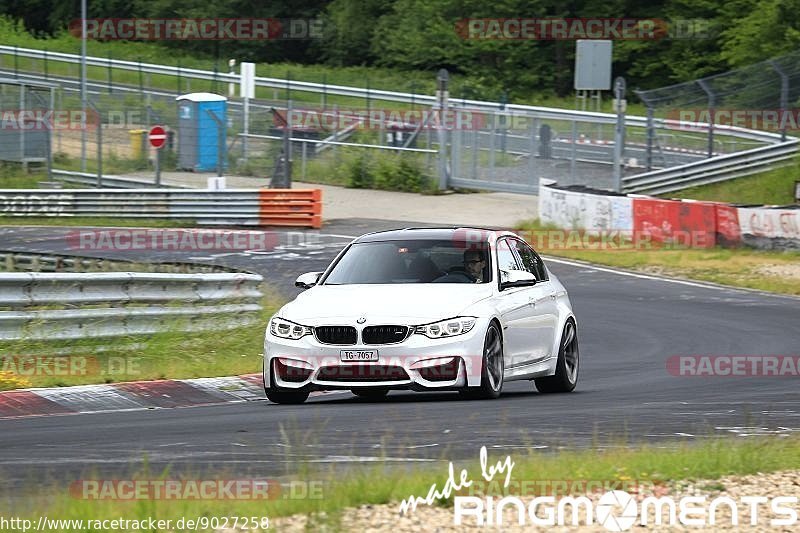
x=530, y=261
x=505, y=257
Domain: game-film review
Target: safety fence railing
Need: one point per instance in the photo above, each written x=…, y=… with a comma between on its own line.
x=232, y=207
x=713, y=170
x=106, y=304
x=503, y=146
x=47, y=262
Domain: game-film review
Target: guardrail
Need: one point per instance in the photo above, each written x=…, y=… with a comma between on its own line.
x=231, y=207
x=71, y=306
x=33, y=262
x=715, y=169
x=108, y=181
x=358, y=92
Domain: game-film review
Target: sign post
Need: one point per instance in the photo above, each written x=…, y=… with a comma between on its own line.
x=157, y=137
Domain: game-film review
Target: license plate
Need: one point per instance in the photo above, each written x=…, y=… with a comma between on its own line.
x=358, y=355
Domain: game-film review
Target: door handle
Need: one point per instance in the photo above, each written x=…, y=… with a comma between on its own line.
x=553, y=296
x=532, y=301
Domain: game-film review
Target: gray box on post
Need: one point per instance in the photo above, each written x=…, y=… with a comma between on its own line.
x=592, y=65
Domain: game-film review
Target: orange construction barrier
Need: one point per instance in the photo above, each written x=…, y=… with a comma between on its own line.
x=290, y=207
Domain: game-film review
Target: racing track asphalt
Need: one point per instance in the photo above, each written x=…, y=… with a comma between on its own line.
x=628, y=326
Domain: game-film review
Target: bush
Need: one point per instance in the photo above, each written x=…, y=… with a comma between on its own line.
x=390, y=172
x=358, y=171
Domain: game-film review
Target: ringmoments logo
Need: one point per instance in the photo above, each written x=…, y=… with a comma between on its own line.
x=619, y=510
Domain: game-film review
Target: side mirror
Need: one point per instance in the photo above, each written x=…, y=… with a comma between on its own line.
x=516, y=278
x=307, y=280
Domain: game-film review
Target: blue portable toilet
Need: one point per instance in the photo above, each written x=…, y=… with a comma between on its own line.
x=200, y=137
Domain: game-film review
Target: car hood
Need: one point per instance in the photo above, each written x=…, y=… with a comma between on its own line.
x=407, y=303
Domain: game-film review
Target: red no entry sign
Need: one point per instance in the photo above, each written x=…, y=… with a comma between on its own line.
x=158, y=136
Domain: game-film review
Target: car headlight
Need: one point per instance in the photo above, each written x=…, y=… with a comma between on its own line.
x=288, y=330
x=447, y=328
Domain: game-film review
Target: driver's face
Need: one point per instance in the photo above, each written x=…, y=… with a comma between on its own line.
x=474, y=265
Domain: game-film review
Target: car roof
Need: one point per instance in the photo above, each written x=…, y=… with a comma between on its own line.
x=435, y=233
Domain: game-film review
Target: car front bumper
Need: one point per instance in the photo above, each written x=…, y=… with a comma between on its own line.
x=417, y=363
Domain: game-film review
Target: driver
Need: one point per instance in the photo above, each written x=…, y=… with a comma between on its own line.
x=474, y=263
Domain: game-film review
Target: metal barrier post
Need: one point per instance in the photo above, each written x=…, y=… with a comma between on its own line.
x=574, y=152
x=711, y=105
x=784, y=96
x=619, y=132
x=441, y=98
x=651, y=134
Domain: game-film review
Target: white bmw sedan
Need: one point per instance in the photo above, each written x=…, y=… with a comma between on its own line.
x=427, y=309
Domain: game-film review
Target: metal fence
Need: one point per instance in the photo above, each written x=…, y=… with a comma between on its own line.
x=39, y=262
x=497, y=146
x=70, y=306
x=254, y=207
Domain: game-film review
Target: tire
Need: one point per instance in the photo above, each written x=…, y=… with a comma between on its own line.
x=371, y=393
x=567, y=366
x=286, y=397
x=492, y=368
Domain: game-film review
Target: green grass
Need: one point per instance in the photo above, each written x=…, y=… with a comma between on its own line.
x=742, y=267
x=774, y=187
x=380, y=485
x=172, y=354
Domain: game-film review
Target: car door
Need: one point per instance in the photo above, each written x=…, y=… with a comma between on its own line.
x=514, y=308
x=541, y=327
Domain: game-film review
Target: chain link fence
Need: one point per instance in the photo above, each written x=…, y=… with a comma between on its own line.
x=408, y=141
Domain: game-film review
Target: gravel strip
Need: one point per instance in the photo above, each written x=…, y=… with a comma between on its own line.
x=385, y=518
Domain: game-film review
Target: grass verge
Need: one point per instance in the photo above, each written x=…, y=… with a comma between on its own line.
x=171, y=354
x=709, y=460
x=753, y=269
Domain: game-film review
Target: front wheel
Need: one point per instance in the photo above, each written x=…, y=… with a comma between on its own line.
x=492, y=367
x=566, y=376
x=286, y=397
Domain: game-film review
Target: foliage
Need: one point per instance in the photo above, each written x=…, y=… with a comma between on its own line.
x=422, y=36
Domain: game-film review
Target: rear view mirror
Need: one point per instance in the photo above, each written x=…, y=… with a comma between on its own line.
x=307, y=280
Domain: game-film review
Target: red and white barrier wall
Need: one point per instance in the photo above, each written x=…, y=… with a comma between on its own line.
x=699, y=224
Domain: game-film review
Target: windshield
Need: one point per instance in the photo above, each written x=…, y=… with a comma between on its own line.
x=415, y=261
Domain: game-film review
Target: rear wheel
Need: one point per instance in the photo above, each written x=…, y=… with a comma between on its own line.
x=370, y=393
x=566, y=376
x=492, y=368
